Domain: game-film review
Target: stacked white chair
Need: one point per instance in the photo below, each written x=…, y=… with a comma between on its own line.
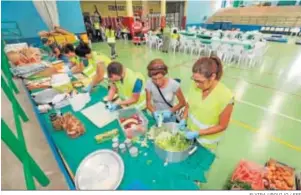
x=146, y=35
x=214, y=47
x=153, y=41
x=237, y=52
x=182, y=43
x=159, y=43
x=224, y=53
x=255, y=56
x=173, y=44
x=188, y=45
x=197, y=48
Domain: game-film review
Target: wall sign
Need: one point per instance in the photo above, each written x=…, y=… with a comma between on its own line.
x=114, y=8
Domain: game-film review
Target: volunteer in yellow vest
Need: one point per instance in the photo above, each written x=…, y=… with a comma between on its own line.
x=96, y=26
x=69, y=53
x=92, y=64
x=209, y=104
x=129, y=85
x=166, y=38
x=110, y=34
x=175, y=35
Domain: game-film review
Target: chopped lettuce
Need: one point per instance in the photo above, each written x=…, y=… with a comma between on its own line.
x=172, y=143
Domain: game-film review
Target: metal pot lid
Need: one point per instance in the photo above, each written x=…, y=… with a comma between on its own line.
x=100, y=170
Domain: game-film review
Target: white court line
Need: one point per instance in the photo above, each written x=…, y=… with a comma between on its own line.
x=266, y=109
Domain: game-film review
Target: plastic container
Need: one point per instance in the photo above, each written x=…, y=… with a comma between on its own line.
x=134, y=151
x=115, y=147
x=122, y=148
x=115, y=140
x=128, y=143
x=127, y=113
x=56, y=121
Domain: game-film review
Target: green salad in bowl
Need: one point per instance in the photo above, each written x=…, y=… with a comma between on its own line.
x=172, y=142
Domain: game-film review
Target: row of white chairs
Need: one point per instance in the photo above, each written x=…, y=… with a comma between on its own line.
x=229, y=54
x=237, y=54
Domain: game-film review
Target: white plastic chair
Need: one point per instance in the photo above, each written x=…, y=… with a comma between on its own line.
x=195, y=47
x=173, y=44
x=182, y=43
x=214, y=47
x=224, y=53
x=146, y=35
x=188, y=45
x=153, y=41
x=159, y=43
x=255, y=56
x=236, y=53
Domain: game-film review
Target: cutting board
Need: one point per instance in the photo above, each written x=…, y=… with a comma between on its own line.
x=99, y=115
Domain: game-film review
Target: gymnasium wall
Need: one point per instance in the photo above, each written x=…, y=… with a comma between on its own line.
x=199, y=11
x=107, y=8
x=30, y=23
x=26, y=16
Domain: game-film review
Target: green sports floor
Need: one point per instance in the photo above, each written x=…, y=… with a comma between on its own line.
x=266, y=122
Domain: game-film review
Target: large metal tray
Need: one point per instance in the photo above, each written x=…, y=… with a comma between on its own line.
x=100, y=170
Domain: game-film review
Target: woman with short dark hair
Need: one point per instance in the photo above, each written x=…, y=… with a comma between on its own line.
x=128, y=85
x=161, y=92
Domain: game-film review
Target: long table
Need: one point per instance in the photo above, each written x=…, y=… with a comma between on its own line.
x=147, y=169
x=246, y=45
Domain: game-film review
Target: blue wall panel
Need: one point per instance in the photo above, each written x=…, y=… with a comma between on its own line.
x=71, y=17
x=197, y=10
x=30, y=22
x=25, y=14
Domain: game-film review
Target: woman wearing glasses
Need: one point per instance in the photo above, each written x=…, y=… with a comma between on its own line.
x=209, y=104
x=129, y=86
x=161, y=92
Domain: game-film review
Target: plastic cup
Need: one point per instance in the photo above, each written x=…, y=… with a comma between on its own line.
x=122, y=148
x=134, y=151
x=128, y=143
x=115, y=147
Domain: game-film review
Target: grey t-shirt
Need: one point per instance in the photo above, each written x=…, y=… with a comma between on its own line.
x=169, y=92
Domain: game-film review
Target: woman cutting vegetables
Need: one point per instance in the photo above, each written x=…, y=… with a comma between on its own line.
x=92, y=64
x=128, y=85
x=209, y=105
x=161, y=92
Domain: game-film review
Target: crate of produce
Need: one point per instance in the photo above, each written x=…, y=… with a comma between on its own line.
x=250, y=173
x=132, y=121
x=279, y=176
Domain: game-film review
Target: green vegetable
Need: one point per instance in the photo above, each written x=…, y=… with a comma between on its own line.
x=172, y=143
x=237, y=184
